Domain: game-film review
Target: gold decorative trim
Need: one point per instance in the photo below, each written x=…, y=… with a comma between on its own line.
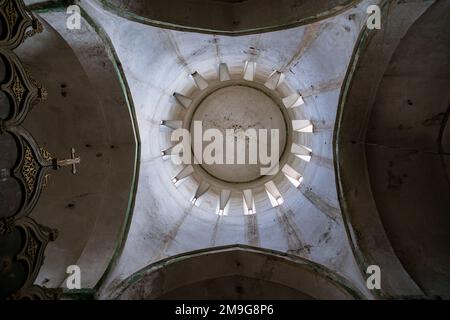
x=25, y=92
x=17, y=88
x=36, y=292
x=37, y=27
x=41, y=91
x=6, y=225
x=29, y=169
x=45, y=154
x=32, y=248
x=11, y=14
x=36, y=239
x=20, y=23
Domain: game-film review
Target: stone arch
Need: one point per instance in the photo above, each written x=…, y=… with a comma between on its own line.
x=88, y=108
x=391, y=141
x=238, y=269
x=228, y=17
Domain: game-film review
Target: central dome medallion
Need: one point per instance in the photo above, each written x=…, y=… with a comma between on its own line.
x=234, y=110
x=242, y=136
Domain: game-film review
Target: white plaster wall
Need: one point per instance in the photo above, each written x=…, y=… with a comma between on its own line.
x=158, y=62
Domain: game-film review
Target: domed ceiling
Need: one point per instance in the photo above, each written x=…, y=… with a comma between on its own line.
x=322, y=198
x=176, y=77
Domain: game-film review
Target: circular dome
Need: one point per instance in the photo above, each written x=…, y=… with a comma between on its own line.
x=241, y=143
x=234, y=111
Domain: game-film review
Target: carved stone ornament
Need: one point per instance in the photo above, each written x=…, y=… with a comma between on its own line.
x=19, y=23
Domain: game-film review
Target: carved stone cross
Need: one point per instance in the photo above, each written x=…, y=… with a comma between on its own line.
x=70, y=162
